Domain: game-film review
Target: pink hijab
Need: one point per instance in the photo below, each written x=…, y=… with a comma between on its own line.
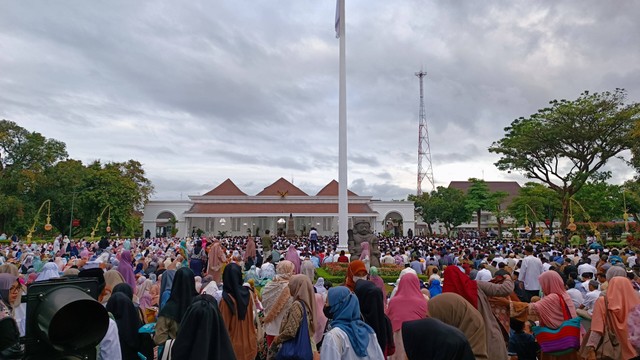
x=550, y=307
x=126, y=269
x=292, y=255
x=408, y=303
x=321, y=320
x=251, y=250
x=365, y=250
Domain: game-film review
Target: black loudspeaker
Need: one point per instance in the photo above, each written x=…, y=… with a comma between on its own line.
x=64, y=319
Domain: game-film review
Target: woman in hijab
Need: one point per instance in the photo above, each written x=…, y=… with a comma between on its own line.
x=49, y=271
x=10, y=300
x=320, y=319
x=249, y=256
x=126, y=317
x=292, y=255
x=347, y=328
x=365, y=254
x=252, y=274
x=372, y=309
x=355, y=271
x=154, y=291
x=166, y=285
x=320, y=287
x=183, y=253
x=454, y=310
x=237, y=312
x=143, y=293
x=375, y=278
x=217, y=259
x=432, y=339
x=550, y=309
x=276, y=299
x=182, y=293
x=408, y=304
x=126, y=269
x=197, y=258
x=301, y=290
x=477, y=293
x=202, y=334
x=111, y=279
x=434, y=288
x=619, y=301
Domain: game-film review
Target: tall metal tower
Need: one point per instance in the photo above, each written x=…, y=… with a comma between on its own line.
x=424, y=148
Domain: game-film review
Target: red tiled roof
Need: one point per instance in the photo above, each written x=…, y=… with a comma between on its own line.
x=331, y=189
x=227, y=188
x=510, y=187
x=286, y=208
x=280, y=187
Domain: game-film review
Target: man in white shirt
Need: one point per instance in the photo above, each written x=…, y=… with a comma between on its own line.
x=530, y=270
x=388, y=259
x=593, y=257
x=631, y=260
x=591, y=297
x=584, y=268
x=484, y=274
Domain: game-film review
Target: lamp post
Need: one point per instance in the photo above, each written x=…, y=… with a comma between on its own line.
x=73, y=200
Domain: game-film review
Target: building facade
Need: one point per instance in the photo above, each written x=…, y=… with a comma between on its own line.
x=280, y=207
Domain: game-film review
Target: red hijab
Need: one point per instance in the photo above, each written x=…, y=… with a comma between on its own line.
x=456, y=281
x=355, y=268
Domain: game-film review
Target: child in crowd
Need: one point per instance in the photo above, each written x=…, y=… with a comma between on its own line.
x=522, y=345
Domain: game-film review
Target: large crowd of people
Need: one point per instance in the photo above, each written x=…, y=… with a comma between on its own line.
x=261, y=297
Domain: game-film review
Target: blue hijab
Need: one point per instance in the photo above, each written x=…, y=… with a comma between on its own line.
x=346, y=316
x=435, y=288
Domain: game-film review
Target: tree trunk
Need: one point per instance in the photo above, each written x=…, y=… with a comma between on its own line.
x=430, y=229
x=479, y=230
x=499, y=227
x=564, y=219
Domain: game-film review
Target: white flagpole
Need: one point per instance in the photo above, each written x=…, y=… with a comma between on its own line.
x=343, y=208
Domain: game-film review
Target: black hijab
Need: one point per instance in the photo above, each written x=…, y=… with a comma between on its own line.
x=202, y=333
x=432, y=339
x=127, y=318
x=371, y=302
x=232, y=288
x=182, y=292
x=123, y=288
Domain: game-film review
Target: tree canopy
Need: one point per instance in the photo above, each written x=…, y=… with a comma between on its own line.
x=569, y=142
x=34, y=168
x=445, y=205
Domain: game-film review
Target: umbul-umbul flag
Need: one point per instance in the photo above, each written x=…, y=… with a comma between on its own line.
x=337, y=19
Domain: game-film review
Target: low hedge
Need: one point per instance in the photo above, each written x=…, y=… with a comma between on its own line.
x=338, y=279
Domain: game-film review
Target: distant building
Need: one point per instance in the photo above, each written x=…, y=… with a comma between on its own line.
x=488, y=220
x=228, y=209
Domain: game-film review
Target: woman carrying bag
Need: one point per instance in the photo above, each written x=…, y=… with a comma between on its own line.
x=297, y=329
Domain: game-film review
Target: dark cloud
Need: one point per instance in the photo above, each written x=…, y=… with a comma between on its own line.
x=249, y=91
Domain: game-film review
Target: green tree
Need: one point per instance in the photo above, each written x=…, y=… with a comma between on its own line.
x=24, y=157
x=34, y=169
x=535, y=203
x=602, y=201
x=569, y=142
x=480, y=198
x=445, y=205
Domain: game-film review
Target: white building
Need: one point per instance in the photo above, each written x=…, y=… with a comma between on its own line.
x=227, y=209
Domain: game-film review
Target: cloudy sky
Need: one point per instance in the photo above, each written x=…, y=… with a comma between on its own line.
x=201, y=91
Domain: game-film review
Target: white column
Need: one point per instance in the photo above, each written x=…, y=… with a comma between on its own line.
x=343, y=208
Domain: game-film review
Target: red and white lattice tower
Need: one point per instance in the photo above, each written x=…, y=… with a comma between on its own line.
x=424, y=148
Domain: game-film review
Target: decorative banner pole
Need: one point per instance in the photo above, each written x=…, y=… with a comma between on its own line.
x=47, y=225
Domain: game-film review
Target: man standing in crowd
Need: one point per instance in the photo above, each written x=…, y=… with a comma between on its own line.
x=530, y=270
x=267, y=244
x=313, y=239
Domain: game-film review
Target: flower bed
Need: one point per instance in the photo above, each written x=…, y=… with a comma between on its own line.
x=388, y=272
